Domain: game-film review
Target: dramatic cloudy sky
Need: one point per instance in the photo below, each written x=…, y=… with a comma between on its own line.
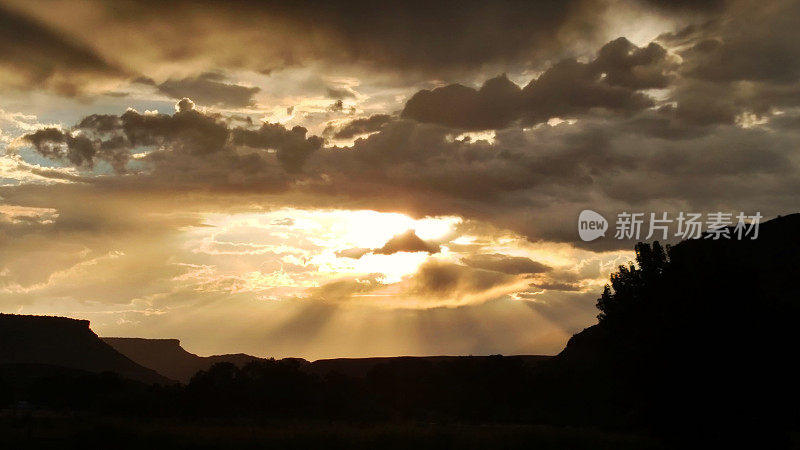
x=362, y=178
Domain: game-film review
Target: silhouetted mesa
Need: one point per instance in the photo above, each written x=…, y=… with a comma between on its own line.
x=64, y=342
x=167, y=357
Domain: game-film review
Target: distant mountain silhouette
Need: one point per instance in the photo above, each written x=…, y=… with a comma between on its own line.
x=59, y=341
x=167, y=357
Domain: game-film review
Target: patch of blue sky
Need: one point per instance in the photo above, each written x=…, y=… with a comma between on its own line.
x=31, y=156
x=136, y=165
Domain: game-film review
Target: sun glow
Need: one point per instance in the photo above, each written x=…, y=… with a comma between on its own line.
x=344, y=256
x=307, y=247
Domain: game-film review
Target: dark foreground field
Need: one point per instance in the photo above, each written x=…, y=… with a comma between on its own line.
x=30, y=432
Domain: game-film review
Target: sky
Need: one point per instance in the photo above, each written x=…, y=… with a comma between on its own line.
x=351, y=179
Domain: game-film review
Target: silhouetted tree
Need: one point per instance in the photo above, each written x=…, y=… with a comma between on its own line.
x=632, y=283
x=698, y=336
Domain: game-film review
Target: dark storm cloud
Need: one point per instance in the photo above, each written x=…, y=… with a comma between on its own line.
x=210, y=89
x=611, y=81
x=407, y=155
x=754, y=45
x=745, y=61
x=292, y=147
x=445, y=37
x=403, y=242
x=621, y=63
x=420, y=33
x=78, y=150
x=406, y=242
x=494, y=105
x=415, y=34
x=37, y=55
x=357, y=127
x=187, y=148
x=512, y=265
x=411, y=39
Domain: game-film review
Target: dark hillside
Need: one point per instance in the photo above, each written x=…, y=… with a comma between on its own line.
x=70, y=343
x=697, y=337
